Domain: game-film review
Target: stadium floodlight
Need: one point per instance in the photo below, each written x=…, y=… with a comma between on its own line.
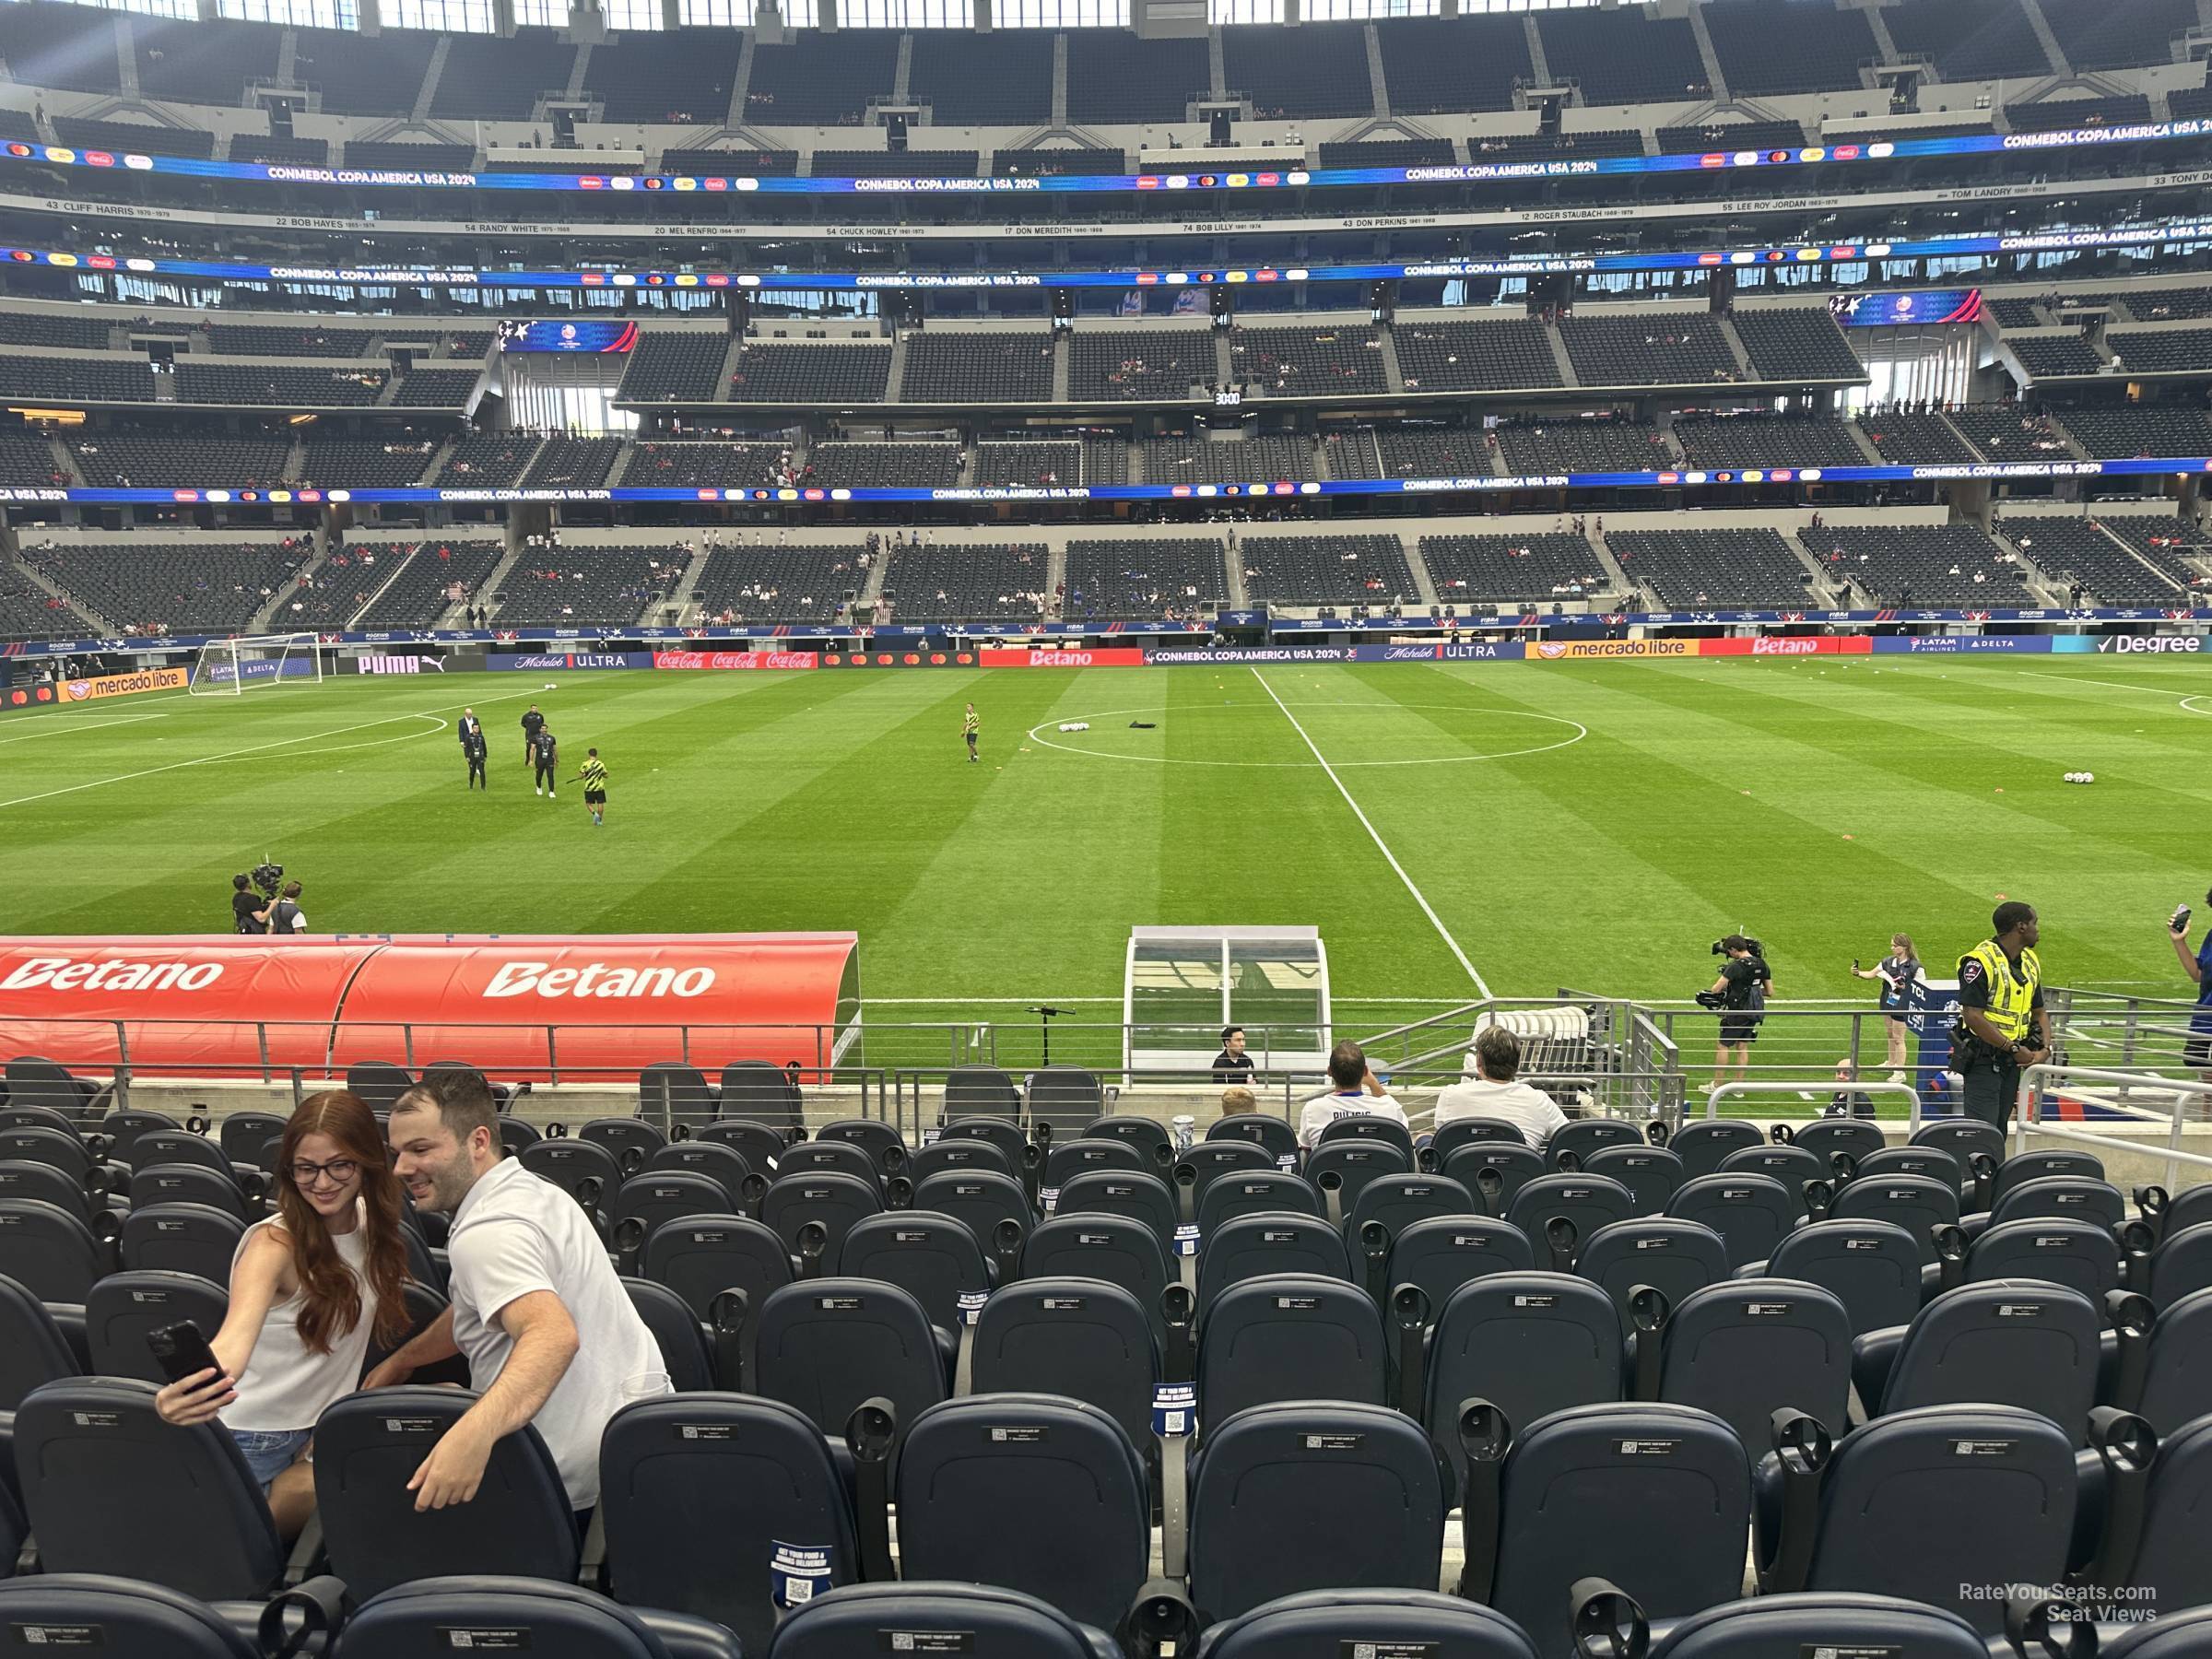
x=1181, y=986
x=251, y=662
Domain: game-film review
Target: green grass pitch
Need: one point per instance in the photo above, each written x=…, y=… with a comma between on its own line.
x=1586, y=825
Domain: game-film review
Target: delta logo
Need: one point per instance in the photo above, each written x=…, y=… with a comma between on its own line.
x=1747, y=158
x=624, y=183
x=1178, y=182
x=139, y=163
x=1298, y=178
x=100, y=158
x=745, y=183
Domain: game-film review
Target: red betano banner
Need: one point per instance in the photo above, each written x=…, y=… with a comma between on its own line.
x=1110, y=656
x=1789, y=645
x=232, y=1006
x=734, y=659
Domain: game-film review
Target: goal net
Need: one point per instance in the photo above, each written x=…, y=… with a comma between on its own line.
x=232, y=667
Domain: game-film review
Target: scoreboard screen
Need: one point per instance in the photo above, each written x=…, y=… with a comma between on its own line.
x=568, y=337
x=1897, y=310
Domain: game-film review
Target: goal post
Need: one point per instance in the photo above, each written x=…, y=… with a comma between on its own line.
x=255, y=661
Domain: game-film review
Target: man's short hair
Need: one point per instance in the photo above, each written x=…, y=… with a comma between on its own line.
x=1238, y=1100
x=2009, y=915
x=1498, y=1054
x=1735, y=941
x=461, y=1099
x=1348, y=1066
x=291, y=890
x=1228, y=1031
x=239, y=882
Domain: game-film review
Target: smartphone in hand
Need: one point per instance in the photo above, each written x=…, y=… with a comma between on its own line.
x=181, y=1351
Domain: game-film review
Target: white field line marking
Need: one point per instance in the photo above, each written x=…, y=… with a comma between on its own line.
x=92, y=727
x=995, y=1002
x=2076, y=679
x=256, y=750
x=1383, y=847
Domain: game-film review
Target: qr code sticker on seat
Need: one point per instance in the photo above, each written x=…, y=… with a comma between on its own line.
x=902, y=1642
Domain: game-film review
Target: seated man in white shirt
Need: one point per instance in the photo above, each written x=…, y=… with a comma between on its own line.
x=1493, y=1093
x=1358, y=1094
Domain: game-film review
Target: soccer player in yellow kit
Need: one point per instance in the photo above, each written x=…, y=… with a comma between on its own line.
x=592, y=776
x=969, y=725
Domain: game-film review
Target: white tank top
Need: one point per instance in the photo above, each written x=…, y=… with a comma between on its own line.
x=287, y=1386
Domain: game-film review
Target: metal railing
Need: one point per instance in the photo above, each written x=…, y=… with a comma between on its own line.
x=1737, y=1090
x=2178, y=1092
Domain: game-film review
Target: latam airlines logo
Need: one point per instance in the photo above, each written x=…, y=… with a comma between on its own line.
x=62, y=973
x=598, y=980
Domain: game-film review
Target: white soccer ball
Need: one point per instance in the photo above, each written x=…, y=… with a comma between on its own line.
x=551, y=687
x=2088, y=777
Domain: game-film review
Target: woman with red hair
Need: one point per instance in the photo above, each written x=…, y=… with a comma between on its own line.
x=309, y=1287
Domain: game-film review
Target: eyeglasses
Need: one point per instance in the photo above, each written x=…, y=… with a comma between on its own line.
x=339, y=1170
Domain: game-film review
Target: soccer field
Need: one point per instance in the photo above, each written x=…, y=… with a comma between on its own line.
x=1592, y=825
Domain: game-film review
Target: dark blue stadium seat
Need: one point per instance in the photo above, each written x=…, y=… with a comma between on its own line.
x=934, y=1258
x=109, y=1488
x=2014, y=1343
x=2181, y=1266
x=1652, y=1174
x=1072, y=1336
x=699, y=1257
x=48, y=1251
x=1701, y=1145
x=181, y=1238
x=1747, y=1349
x=189, y=1183
x=1962, y=1137
x=1934, y=1163
x=1145, y=1199
x=1360, y=1127
x=2079, y=1253
x=1671, y=1255
x=1873, y=1267
x=830, y=1201
x=1150, y=1137
x=1585, y=1202
x=1289, y=1336
x=1116, y=1249
x=368, y=1447
x=1068, y=1470
x=2023, y=1167
x=865, y=1621
x=1785, y=1161
x=967, y=1154
x=1494, y=1171
x=985, y=1202
x=760, y=1145
x=474, y=1613
x=1919, y=1204
x=1468, y=1131
x=651, y=1198
x=584, y=1170
x=1253, y=1192
x=2172, y=1565
x=686, y=1354
x=1809, y=1621
x=1275, y=1136
x=879, y=1140
x=1396, y=1202
x=1528, y=1343
x=48, y=1184
x=1824, y=1137
x=1443, y=1252
x=123, y=1308
x=1325, y=1624
x=1752, y=1213
x=724, y=1165
x=1312, y=1495
x=1255, y=1246
x=831, y=1157
x=123, y=1618
x=696, y=1491
x=2061, y=1197
x=1572, y=1143
x=1070, y=1159
x=1346, y=1167
x=828, y=1345
x=2177, y=1372
x=2176, y=1636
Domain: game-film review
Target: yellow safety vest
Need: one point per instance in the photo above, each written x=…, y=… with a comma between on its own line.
x=2011, y=992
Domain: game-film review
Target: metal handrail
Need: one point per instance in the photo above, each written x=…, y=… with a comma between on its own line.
x=1714, y=1097
x=2033, y=1077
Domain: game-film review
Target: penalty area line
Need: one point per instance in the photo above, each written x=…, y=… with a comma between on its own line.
x=1382, y=846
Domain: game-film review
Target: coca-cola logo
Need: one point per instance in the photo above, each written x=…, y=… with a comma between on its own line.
x=734, y=659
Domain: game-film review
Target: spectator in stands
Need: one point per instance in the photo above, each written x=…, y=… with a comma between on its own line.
x=248, y=914
x=537, y=1305
x=1493, y=1091
x=308, y=1286
x=1358, y=1093
x=1232, y=1064
x=1236, y=1100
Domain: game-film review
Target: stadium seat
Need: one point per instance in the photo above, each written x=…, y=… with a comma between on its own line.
x=878, y=1139
x=1140, y=1197
x=1021, y=1155
x=48, y=1185
x=1198, y=1166
x=2013, y=1343
x=1396, y=1202
x=1752, y=1213
x=1255, y=1191
x=124, y=1127
x=27, y=1115
x=702, y=1257
x=1345, y=1167
x=244, y=1134
x=36, y=1143
x=1077, y=1337
x=1652, y=1174
x=1366, y=1127
x=515, y=1133
x=1572, y=1143
x=1265, y=1243
x=1148, y=1135
x=1068, y=1469
x=1807, y=1621
x=983, y=1091
x=189, y=1183
x=1330, y=1622
x=1824, y=1137
x=1438, y=1255
x=1529, y=1344
x=1070, y=1159
x=650, y=1199
x=123, y=1307
x=1747, y=1349
x=829, y=1345
x=1934, y=1163
x=1288, y=1337
x=378, y=1082
x=560, y=1621
x=109, y=1488
x=2177, y=1368
x=832, y=1158
x=2075, y=1254
x=1918, y=1204
x=2175, y=1635
x=2061, y=1197
x=1701, y=1145
x=762, y=1093
x=169, y=1147
x=131, y=1620
x=1118, y=1250
x=1872, y=1267
x=2181, y=1266
x=990, y=1206
x=33, y=1080
x=49, y=1252
x=1584, y=1201
x=2172, y=1566
x=1962, y=1137
x=724, y=1165
x=1787, y=1163
x=2024, y=1167
x=586, y=1170
x=963, y=1154
x=860, y=1621
x=631, y=1140
x=1493, y=1171
x=33, y=1350
x=934, y=1258
x=795, y=1204
x=368, y=1447
x=1467, y=1132
x=697, y=1491
x=1276, y=1136
x=1312, y=1495
x=1673, y=1256
x=670, y=1093
x=760, y=1145
x=1902, y=1512
x=2192, y=1206
x=1571, y=1502
x=1067, y=1097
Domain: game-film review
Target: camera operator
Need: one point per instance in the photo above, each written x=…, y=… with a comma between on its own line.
x=1739, y=995
x=2003, y=1025
x=2197, y=965
x=249, y=910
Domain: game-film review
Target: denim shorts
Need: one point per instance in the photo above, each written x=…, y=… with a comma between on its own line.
x=270, y=1452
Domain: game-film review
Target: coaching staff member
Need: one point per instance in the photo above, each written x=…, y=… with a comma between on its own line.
x=1232, y=1065
x=533, y=723
x=2003, y=1025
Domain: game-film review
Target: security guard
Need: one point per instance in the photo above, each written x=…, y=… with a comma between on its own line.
x=2003, y=1025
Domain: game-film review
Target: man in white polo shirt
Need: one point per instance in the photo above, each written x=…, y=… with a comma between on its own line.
x=1493, y=1093
x=1358, y=1094
x=549, y=1332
